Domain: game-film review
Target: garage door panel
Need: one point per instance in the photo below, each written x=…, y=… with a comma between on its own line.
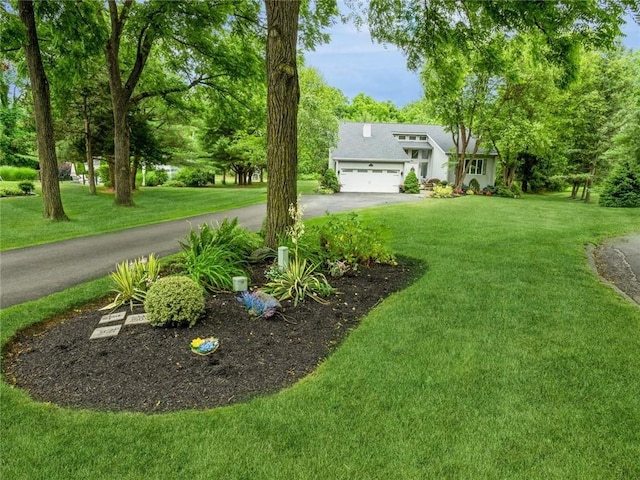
x=375, y=181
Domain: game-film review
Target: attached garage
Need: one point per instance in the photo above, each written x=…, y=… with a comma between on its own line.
x=370, y=180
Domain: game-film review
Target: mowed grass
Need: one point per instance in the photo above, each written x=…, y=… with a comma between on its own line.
x=22, y=224
x=507, y=358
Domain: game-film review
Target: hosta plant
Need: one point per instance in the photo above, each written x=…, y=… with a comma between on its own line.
x=132, y=280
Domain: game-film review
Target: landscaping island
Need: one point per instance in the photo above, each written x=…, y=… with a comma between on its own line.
x=152, y=370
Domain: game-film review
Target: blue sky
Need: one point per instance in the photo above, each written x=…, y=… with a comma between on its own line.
x=354, y=64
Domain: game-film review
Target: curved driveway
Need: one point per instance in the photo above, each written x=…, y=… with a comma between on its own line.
x=33, y=272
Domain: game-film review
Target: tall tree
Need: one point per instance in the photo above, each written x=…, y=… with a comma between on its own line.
x=364, y=108
x=201, y=40
x=283, y=96
x=52, y=201
x=318, y=119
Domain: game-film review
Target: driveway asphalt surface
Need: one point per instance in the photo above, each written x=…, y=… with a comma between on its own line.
x=33, y=272
x=618, y=262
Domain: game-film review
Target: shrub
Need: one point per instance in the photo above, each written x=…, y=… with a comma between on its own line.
x=16, y=174
x=192, y=177
x=514, y=192
x=174, y=301
x=346, y=238
x=26, y=187
x=442, y=191
x=153, y=178
x=103, y=175
x=474, y=185
x=10, y=192
x=330, y=181
x=622, y=187
x=411, y=184
x=132, y=280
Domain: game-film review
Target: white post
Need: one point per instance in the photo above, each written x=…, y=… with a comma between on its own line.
x=239, y=284
x=283, y=257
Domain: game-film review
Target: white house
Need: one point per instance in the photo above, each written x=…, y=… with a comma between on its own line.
x=376, y=157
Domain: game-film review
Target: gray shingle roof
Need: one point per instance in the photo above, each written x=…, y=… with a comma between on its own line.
x=382, y=145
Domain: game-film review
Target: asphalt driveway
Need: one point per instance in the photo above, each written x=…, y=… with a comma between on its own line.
x=34, y=272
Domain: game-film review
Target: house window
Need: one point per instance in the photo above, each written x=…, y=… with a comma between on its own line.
x=412, y=137
x=477, y=167
x=402, y=137
x=415, y=153
x=423, y=138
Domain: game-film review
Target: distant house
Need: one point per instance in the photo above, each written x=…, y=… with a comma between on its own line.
x=376, y=157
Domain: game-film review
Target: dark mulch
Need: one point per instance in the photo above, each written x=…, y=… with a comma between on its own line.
x=147, y=369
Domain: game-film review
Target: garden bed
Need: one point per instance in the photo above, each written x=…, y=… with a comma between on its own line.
x=151, y=370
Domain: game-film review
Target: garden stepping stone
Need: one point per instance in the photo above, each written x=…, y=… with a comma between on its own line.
x=113, y=317
x=104, y=332
x=136, y=319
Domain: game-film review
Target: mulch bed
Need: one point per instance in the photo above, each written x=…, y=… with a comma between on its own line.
x=152, y=370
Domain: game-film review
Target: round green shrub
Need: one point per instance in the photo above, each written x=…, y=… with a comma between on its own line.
x=174, y=301
x=27, y=187
x=330, y=181
x=411, y=184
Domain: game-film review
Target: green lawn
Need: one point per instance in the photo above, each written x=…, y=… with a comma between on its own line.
x=507, y=359
x=21, y=221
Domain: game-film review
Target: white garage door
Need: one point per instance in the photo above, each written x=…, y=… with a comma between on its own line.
x=361, y=180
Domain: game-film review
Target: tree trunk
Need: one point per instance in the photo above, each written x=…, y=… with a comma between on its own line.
x=134, y=170
x=283, y=97
x=88, y=144
x=122, y=165
x=52, y=201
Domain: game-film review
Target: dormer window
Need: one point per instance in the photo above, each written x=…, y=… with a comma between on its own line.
x=402, y=137
x=412, y=137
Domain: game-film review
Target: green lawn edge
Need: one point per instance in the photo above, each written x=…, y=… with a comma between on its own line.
x=508, y=358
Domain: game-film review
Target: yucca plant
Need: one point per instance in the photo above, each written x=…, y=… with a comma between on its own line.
x=132, y=280
x=298, y=281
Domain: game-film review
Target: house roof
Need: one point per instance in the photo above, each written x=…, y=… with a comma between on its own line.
x=382, y=145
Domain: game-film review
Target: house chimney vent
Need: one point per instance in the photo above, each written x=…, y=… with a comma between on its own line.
x=366, y=130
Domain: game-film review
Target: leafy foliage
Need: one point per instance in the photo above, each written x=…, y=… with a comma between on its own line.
x=174, y=301
x=300, y=279
x=346, y=238
x=212, y=256
x=213, y=267
x=330, y=180
x=411, y=184
x=622, y=188
x=132, y=280
x=195, y=177
x=15, y=174
x=442, y=191
x=27, y=187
